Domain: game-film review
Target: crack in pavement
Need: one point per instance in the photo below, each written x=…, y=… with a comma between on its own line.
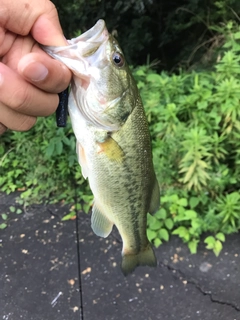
x=179, y=274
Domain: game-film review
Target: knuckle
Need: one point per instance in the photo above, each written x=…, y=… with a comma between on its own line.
x=27, y=123
x=20, y=99
x=2, y=128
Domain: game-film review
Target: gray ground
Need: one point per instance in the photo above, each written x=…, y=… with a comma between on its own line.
x=56, y=270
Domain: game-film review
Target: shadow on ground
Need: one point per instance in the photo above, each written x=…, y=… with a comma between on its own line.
x=57, y=270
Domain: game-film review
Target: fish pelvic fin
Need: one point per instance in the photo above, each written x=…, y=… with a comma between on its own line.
x=82, y=160
x=100, y=224
x=155, y=199
x=145, y=257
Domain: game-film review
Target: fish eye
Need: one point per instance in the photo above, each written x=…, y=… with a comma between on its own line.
x=118, y=59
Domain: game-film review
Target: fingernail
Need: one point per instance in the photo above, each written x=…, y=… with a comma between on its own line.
x=35, y=71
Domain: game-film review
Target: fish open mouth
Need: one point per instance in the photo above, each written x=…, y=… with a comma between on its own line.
x=77, y=55
x=90, y=41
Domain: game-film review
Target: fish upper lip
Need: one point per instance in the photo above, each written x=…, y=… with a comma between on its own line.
x=94, y=33
x=92, y=39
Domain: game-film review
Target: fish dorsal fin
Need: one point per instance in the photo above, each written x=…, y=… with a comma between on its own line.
x=101, y=225
x=155, y=199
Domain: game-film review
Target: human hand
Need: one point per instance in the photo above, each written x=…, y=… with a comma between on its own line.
x=29, y=78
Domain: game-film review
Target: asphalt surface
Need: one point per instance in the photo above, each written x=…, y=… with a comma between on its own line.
x=56, y=270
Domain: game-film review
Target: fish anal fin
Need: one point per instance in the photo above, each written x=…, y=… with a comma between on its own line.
x=111, y=149
x=82, y=160
x=145, y=257
x=100, y=224
x=155, y=198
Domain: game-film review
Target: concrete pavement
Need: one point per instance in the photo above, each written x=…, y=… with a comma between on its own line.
x=56, y=270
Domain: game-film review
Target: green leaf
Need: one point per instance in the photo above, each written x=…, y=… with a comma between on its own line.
x=59, y=147
x=12, y=209
x=163, y=234
x=183, y=202
x=237, y=35
x=3, y=226
x=193, y=202
x=154, y=223
x=19, y=211
x=173, y=198
x=78, y=206
x=153, y=77
x=220, y=236
x=50, y=150
x=69, y=216
x=182, y=232
x=151, y=234
x=4, y=216
x=210, y=246
x=161, y=214
x=20, y=201
x=86, y=207
x=169, y=223
x=217, y=248
x=157, y=242
x=192, y=245
x=190, y=214
x=140, y=72
x=210, y=241
x=195, y=224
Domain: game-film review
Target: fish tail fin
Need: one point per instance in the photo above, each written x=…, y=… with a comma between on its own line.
x=145, y=257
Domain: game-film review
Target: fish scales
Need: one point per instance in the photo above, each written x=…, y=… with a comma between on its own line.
x=128, y=180
x=113, y=141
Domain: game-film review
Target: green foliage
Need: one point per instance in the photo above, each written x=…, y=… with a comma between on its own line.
x=5, y=217
x=3, y=224
x=41, y=163
x=179, y=217
x=159, y=227
x=215, y=243
x=195, y=126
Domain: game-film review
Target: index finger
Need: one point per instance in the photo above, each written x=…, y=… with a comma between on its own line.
x=40, y=18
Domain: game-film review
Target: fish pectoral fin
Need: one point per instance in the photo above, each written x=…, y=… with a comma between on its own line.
x=100, y=224
x=155, y=199
x=111, y=149
x=145, y=257
x=82, y=160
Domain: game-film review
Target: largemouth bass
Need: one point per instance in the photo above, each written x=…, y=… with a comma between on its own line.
x=113, y=141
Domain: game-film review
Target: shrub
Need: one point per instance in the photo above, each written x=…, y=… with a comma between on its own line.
x=41, y=163
x=195, y=126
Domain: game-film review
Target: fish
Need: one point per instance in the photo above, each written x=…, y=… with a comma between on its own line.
x=113, y=141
